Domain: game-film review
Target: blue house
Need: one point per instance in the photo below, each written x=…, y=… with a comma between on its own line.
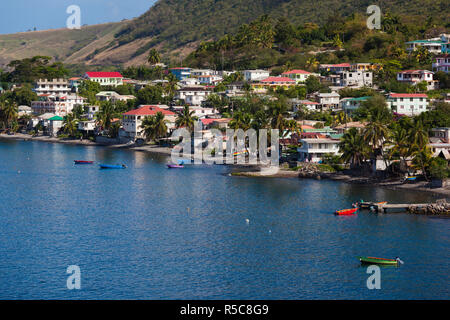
x=181, y=73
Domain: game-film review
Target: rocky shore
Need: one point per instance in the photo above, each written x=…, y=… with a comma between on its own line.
x=441, y=207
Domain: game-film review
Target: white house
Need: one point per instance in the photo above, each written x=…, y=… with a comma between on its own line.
x=298, y=75
x=113, y=96
x=442, y=63
x=413, y=77
x=432, y=45
x=193, y=95
x=334, y=68
x=202, y=72
x=209, y=79
x=59, y=106
x=313, y=149
x=132, y=120
x=356, y=79
x=409, y=104
x=328, y=100
x=256, y=75
x=105, y=78
x=198, y=112
x=57, y=87
x=87, y=126
x=306, y=104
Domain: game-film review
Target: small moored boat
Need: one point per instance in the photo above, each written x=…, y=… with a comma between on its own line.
x=374, y=260
x=346, y=212
x=411, y=178
x=83, y=162
x=175, y=166
x=109, y=166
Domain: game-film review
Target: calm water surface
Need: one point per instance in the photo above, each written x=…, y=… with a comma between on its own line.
x=152, y=233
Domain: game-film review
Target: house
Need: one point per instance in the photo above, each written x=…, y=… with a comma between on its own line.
x=440, y=142
x=334, y=68
x=209, y=79
x=57, y=87
x=274, y=83
x=87, y=127
x=24, y=110
x=356, y=79
x=74, y=83
x=193, y=95
x=306, y=104
x=60, y=106
x=409, y=104
x=201, y=72
x=54, y=125
x=413, y=77
x=346, y=126
x=433, y=46
x=132, y=120
x=441, y=63
x=298, y=75
x=105, y=78
x=181, y=73
x=364, y=67
x=198, y=112
x=91, y=111
x=256, y=75
x=235, y=89
x=313, y=149
x=113, y=96
x=350, y=105
x=328, y=101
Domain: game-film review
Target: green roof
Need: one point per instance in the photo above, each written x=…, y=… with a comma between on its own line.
x=56, y=118
x=425, y=41
x=358, y=99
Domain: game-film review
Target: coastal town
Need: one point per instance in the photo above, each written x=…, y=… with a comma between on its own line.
x=331, y=117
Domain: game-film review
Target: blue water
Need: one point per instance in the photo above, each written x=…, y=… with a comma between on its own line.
x=148, y=232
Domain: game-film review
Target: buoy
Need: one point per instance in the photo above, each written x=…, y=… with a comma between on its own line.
x=247, y=221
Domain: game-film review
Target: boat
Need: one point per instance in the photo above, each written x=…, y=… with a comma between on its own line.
x=380, y=203
x=110, y=166
x=373, y=260
x=175, y=166
x=411, y=178
x=83, y=162
x=346, y=212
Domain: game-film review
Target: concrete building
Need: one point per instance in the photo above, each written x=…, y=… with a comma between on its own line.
x=409, y=104
x=105, y=78
x=57, y=87
x=313, y=149
x=256, y=75
x=413, y=77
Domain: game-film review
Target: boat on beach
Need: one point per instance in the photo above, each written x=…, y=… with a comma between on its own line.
x=83, y=162
x=374, y=260
x=346, y=212
x=110, y=166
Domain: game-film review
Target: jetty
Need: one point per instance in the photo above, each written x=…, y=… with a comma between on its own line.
x=439, y=207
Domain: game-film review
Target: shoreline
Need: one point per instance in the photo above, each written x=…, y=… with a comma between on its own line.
x=240, y=169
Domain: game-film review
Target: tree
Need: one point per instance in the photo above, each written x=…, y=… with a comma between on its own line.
x=278, y=113
x=186, y=119
x=9, y=112
x=354, y=148
x=70, y=125
x=153, y=57
x=154, y=126
x=150, y=95
x=313, y=84
x=105, y=115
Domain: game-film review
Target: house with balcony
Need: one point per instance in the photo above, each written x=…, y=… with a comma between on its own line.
x=193, y=95
x=432, y=45
x=56, y=87
x=132, y=120
x=440, y=142
x=328, y=101
x=413, y=77
x=356, y=79
x=105, y=78
x=334, y=68
x=408, y=104
x=441, y=63
x=57, y=105
x=210, y=79
x=314, y=149
x=298, y=104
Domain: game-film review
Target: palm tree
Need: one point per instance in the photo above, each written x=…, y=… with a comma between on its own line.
x=354, y=148
x=241, y=120
x=417, y=135
x=105, y=115
x=9, y=111
x=153, y=57
x=171, y=86
x=155, y=127
x=70, y=124
x=278, y=113
x=186, y=119
x=422, y=160
x=401, y=145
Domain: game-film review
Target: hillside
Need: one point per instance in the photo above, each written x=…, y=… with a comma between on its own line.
x=176, y=27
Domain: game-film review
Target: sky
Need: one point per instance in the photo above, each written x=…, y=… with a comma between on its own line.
x=24, y=15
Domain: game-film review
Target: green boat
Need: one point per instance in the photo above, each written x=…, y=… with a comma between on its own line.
x=373, y=260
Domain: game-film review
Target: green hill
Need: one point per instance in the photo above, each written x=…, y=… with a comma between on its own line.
x=176, y=27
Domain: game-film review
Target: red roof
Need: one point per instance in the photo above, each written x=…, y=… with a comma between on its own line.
x=104, y=75
x=148, y=111
x=207, y=121
x=297, y=71
x=415, y=71
x=408, y=95
x=278, y=79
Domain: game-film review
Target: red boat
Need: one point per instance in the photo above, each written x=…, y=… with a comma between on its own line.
x=175, y=166
x=83, y=162
x=346, y=212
